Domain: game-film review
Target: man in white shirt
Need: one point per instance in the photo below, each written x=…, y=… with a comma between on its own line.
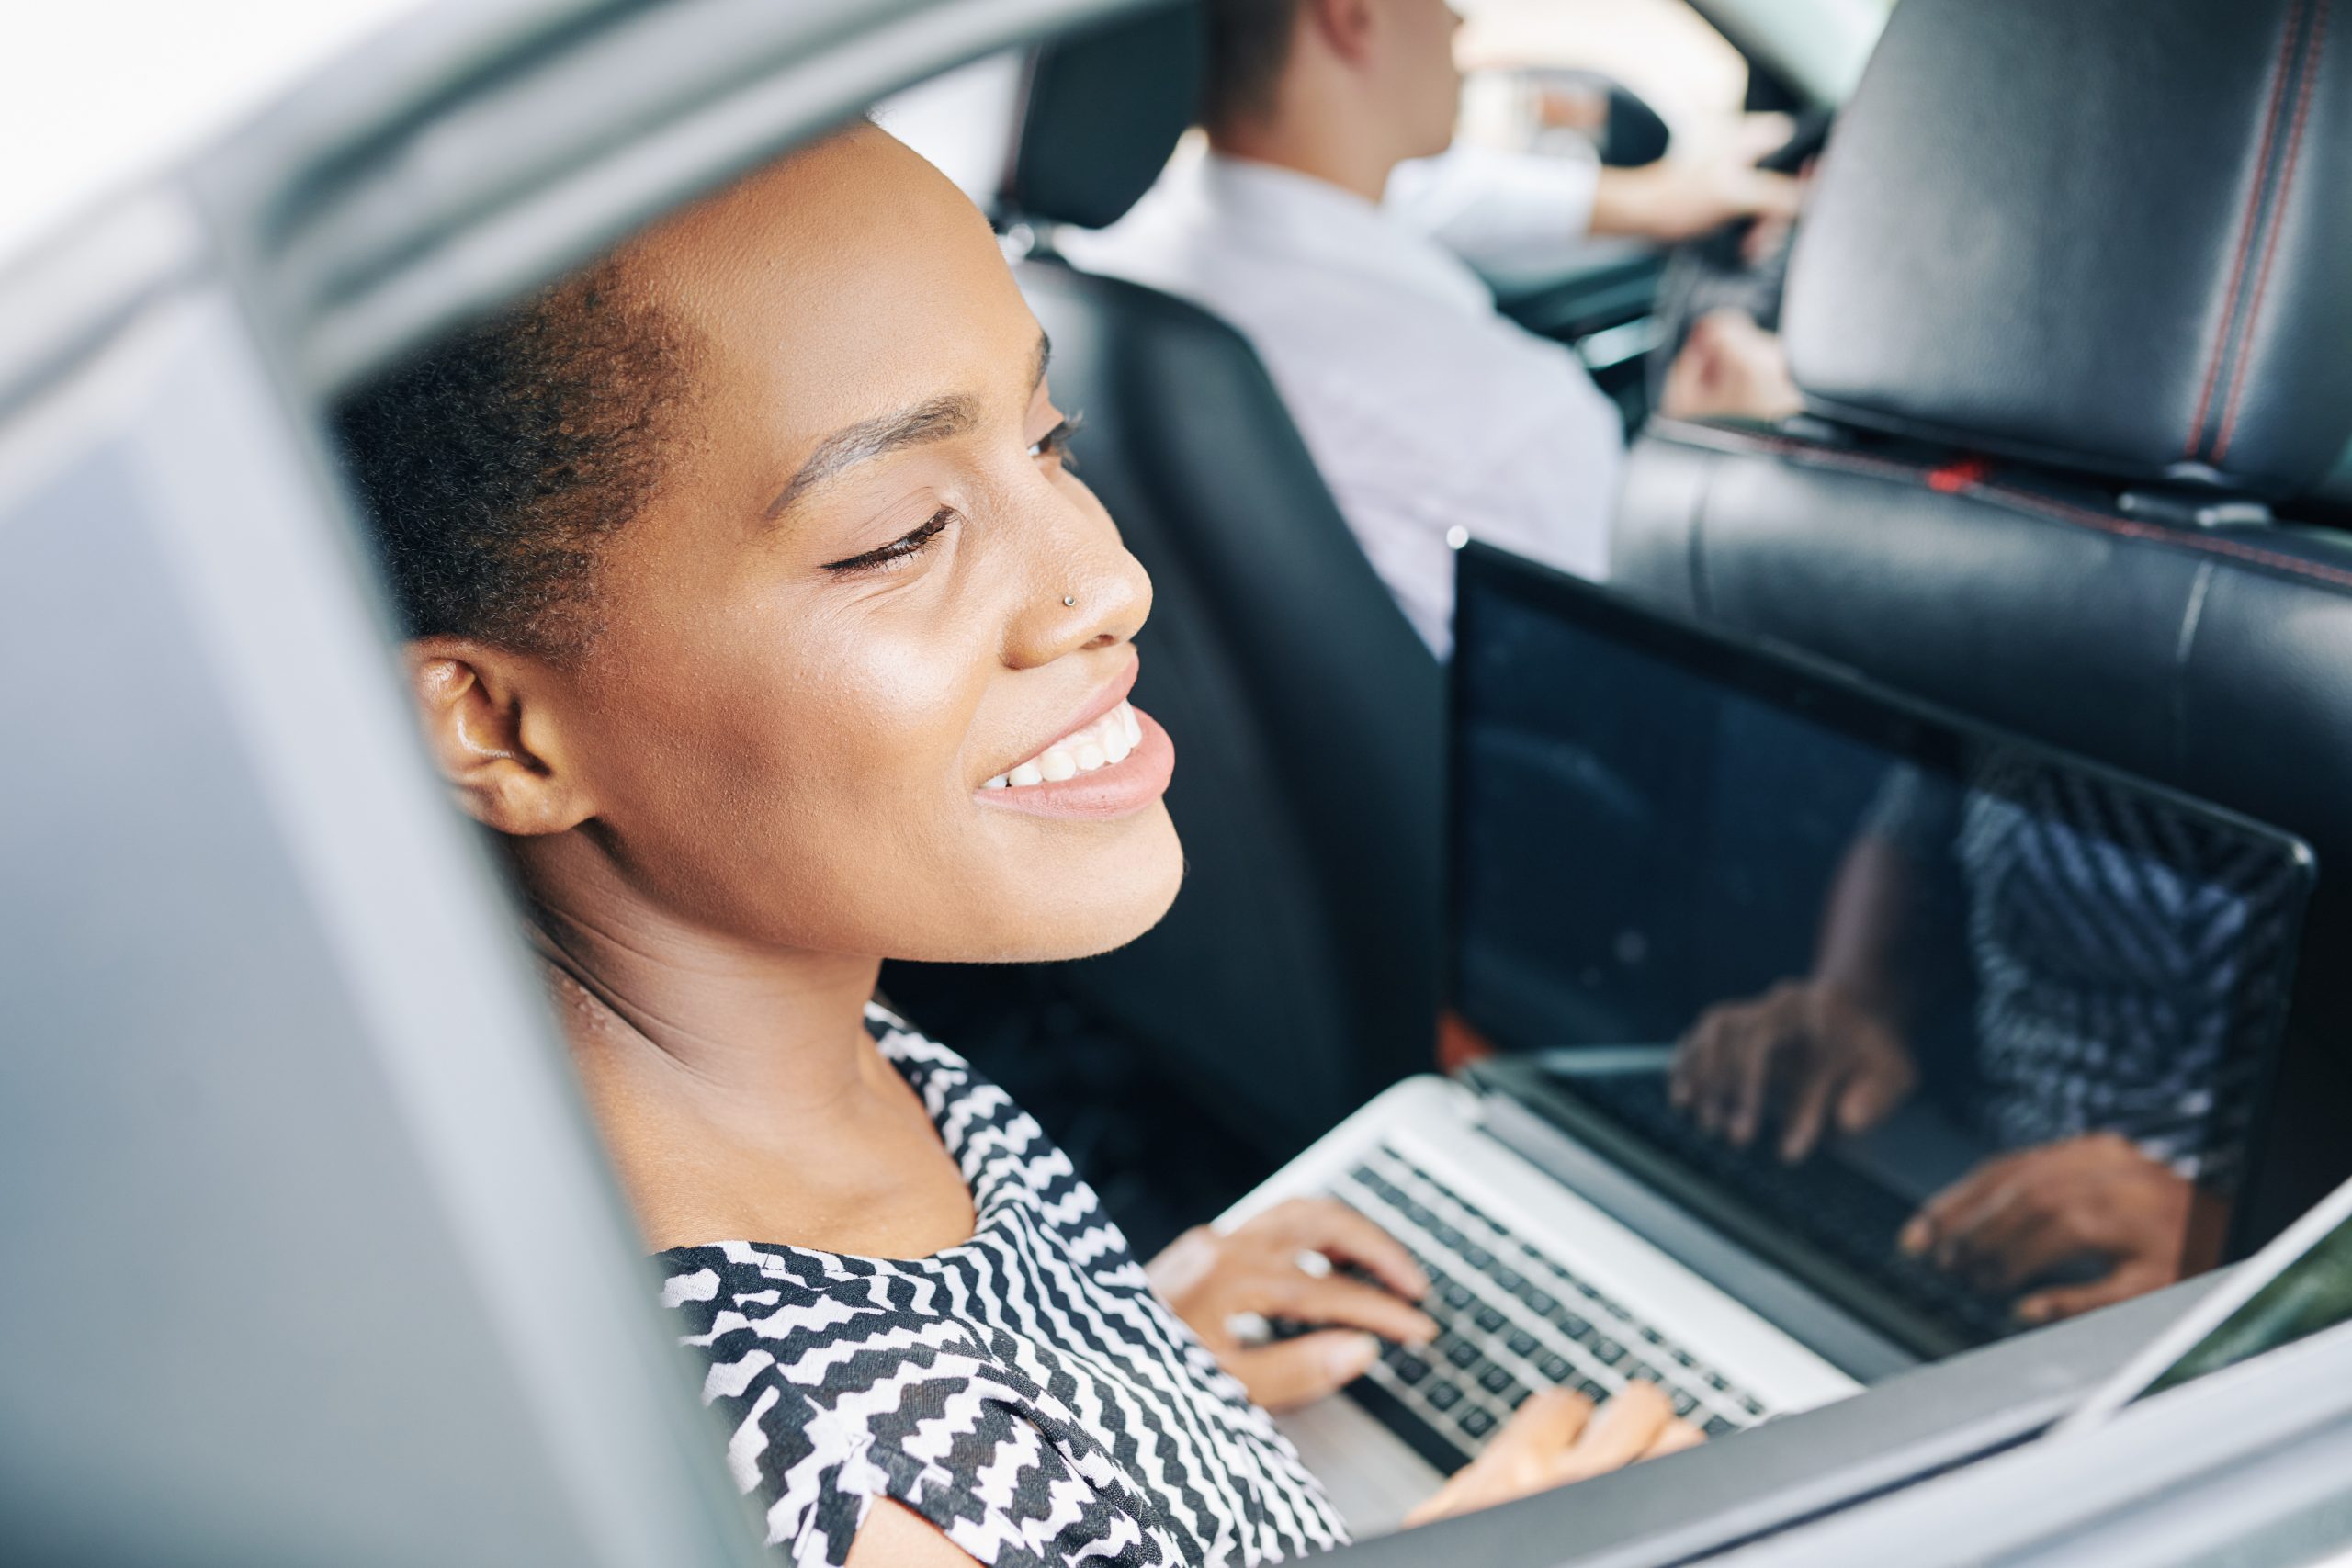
x=1425, y=409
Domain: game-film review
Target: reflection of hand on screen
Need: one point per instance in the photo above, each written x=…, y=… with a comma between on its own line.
x=1808, y=1049
x=2097, y=1197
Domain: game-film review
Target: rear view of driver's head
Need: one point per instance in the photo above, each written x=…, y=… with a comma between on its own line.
x=1379, y=72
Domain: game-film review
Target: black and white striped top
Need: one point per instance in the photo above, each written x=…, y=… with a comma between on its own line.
x=1024, y=1391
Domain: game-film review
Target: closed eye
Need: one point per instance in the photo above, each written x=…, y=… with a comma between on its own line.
x=904, y=548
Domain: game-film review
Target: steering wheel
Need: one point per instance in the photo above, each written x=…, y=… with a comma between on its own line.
x=1714, y=271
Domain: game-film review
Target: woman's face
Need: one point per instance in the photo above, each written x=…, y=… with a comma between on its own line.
x=868, y=590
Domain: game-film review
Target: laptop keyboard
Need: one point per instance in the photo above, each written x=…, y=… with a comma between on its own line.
x=1510, y=1321
x=1834, y=1207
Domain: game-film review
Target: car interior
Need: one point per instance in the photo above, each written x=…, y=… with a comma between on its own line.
x=2070, y=486
x=2081, y=589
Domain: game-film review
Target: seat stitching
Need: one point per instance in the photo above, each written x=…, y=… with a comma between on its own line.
x=2277, y=224
x=2246, y=226
x=2158, y=534
x=2017, y=500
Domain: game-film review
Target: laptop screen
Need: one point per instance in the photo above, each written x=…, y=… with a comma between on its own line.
x=1971, y=1032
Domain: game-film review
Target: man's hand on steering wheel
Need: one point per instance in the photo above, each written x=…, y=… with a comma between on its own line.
x=1729, y=368
x=1677, y=198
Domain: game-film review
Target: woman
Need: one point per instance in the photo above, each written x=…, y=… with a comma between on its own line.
x=756, y=609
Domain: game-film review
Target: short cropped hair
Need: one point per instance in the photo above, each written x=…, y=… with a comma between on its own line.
x=495, y=463
x=1249, y=47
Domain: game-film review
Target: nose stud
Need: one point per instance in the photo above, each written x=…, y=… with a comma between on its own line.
x=1070, y=601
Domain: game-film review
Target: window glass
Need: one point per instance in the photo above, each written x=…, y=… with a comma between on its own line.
x=1662, y=51
x=962, y=121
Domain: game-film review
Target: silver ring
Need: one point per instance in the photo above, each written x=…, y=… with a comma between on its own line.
x=1249, y=1329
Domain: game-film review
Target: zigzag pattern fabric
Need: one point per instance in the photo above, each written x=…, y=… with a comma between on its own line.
x=1024, y=1391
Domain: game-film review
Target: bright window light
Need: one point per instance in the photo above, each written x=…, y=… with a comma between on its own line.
x=95, y=94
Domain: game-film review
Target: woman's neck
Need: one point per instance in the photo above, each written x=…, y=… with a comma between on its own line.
x=764, y=1045
x=735, y=1085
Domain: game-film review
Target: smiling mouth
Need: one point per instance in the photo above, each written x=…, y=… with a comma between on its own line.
x=1105, y=743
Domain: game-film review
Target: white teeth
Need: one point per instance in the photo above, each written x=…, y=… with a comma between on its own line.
x=1107, y=742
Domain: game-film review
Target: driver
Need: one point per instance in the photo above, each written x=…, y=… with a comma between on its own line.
x=1425, y=409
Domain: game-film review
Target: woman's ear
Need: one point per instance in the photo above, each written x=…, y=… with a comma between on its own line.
x=490, y=721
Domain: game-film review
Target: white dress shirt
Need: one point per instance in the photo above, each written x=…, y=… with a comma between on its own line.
x=1425, y=410
x=1501, y=212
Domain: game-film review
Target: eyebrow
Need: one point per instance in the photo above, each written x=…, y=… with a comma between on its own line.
x=937, y=419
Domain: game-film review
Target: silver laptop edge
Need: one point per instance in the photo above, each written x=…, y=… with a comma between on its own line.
x=2212, y=1310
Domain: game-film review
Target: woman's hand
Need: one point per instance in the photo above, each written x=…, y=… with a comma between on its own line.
x=1278, y=1264
x=2016, y=1217
x=1556, y=1437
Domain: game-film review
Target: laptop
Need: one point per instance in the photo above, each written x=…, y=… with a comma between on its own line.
x=1666, y=843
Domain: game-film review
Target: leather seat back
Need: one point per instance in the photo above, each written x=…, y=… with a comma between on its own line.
x=2069, y=316
x=1298, y=972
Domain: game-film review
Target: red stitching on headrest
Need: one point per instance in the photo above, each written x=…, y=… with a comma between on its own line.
x=2246, y=225
x=2278, y=222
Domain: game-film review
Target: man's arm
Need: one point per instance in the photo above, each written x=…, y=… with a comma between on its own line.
x=1680, y=198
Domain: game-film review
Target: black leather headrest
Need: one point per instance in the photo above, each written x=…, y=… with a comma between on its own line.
x=2113, y=235
x=1101, y=111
